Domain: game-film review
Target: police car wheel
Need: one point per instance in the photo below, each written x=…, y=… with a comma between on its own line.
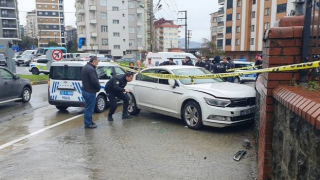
x=100, y=104
x=192, y=115
x=26, y=95
x=236, y=80
x=62, y=108
x=132, y=108
x=35, y=71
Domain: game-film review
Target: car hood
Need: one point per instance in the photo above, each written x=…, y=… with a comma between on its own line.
x=23, y=59
x=224, y=90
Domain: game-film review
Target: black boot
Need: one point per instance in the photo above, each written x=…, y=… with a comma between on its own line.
x=110, y=118
x=126, y=116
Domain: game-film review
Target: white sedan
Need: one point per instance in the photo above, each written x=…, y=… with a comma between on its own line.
x=209, y=102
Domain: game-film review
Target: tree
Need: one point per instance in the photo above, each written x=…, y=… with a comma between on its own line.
x=27, y=42
x=72, y=47
x=53, y=44
x=209, y=48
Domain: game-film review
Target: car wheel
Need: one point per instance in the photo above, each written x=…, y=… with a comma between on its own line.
x=100, y=104
x=26, y=95
x=236, y=80
x=192, y=116
x=35, y=71
x=132, y=108
x=62, y=108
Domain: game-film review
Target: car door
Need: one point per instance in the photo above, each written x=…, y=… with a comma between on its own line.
x=10, y=85
x=166, y=98
x=43, y=65
x=144, y=89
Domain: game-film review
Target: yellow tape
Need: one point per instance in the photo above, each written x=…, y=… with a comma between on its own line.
x=243, y=68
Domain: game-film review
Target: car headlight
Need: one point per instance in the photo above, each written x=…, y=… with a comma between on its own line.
x=217, y=102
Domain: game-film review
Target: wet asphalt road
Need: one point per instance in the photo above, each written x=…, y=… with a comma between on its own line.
x=22, y=69
x=149, y=146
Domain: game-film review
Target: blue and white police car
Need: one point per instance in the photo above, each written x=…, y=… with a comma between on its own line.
x=244, y=78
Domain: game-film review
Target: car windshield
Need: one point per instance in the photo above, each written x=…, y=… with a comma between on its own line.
x=65, y=73
x=195, y=72
x=244, y=65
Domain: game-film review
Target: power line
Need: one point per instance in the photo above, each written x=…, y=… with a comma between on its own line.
x=170, y=9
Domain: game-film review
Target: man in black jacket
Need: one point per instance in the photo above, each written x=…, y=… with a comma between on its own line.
x=208, y=64
x=200, y=63
x=168, y=63
x=90, y=86
x=187, y=61
x=115, y=88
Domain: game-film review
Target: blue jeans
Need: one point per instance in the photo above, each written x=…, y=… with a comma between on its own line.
x=90, y=103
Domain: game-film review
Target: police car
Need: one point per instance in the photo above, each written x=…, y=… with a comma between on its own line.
x=65, y=85
x=244, y=78
x=38, y=66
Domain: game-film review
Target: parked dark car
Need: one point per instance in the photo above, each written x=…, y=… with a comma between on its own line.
x=12, y=88
x=3, y=61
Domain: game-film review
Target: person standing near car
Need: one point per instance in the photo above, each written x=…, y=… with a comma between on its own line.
x=200, y=63
x=231, y=67
x=90, y=86
x=187, y=61
x=208, y=64
x=115, y=88
x=149, y=63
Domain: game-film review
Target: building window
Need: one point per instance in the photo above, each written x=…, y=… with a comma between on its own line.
x=116, y=34
x=131, y=42
x=131, y=17
x=214, y=29
x=103, y=2
x=238, y=29
x=53, y=13
x=114, y=8
x=46, y=13
x=116, y=46
x=39, y=6
x=234, y=56
x=237, y=42
x=104, y=28
x=220, y=42
x=54, y=20
x=228, y=42
x=229, y=4
x=266, y=11
x=116, y=21
x=40, y=13
x=239, y=3
x=252, y=41
x=253, y=14
x=253, y=1
x=131, y=30
x=238, y=16
x=53, y=7
x=103, y=15
x=266, y=26
x=131, y=4
x=214, y=20
x=228, y=29
x=229, y=17
x=252, y=28
x=105, y=42
x=46, y=6
x=281, y=8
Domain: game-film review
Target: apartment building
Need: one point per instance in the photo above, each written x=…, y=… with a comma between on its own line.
x=32, y=24
x=22, y=31
x=50, y=19
x=71, y=34
x=214, y=26
x=147, y=6
x=111, y=27
x=9, y=27
x=166, y=35
x=242, y=23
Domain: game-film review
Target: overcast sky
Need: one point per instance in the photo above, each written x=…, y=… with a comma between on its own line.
x=198, y=14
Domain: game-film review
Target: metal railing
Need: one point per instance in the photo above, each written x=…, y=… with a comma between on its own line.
x=310, y=40
x=7, y=5
x=9, y=26
x=10, y=35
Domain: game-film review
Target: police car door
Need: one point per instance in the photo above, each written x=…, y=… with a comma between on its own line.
x=144, y=89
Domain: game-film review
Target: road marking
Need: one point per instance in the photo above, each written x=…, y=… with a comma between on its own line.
x=38, y=132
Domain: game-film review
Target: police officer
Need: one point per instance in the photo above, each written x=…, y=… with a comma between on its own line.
x=219, y=67
x=200, y=63
x=208, y=64
x=115, y=88
x=187, y=61
x=168, y=63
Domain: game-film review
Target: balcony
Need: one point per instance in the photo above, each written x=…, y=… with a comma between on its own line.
x=139, y=35
x=8, y=16
x=221, y=13
x=140, y=10
x=221, y=2
x=220, y=36
x=93, y=8
x=221, y=23
x=94, y=34
x=93, y=21
x=80, y=11
x=81, y=35
x=10, y=35
x=139, y=23
x=9, y=26
x=81, y=23
x=7, y=5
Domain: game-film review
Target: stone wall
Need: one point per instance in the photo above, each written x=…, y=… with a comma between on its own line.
x=295, y=146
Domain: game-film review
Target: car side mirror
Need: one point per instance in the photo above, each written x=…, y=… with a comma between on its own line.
x=172, y=83
x=16, y=77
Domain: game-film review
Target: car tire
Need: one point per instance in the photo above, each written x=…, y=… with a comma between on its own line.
x=132, y=108
x=35, y=71
x=101, y=103
x=62, y=108
x=46, y=73
x=26, y=94
x=192, y=115
x=237, y=80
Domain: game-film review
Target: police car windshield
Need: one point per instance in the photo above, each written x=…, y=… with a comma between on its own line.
x=195, y=72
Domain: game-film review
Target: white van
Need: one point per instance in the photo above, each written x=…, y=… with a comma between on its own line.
x=244, y=78
x=65, y=85
x=178, y=58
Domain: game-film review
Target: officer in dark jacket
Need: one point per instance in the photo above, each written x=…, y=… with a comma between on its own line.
x=200, y=63
x=187, y=61
x=115, y=88
x=90, y=86
x=219, y=67
x=168, y=63
x=208, y=64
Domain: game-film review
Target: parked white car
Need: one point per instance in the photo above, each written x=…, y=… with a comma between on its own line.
x=209, y=102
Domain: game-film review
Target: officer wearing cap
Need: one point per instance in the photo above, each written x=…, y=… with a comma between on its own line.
x=115, y=87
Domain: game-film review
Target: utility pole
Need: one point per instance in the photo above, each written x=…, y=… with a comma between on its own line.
x=186, y=28
x=151, y=25
x=189, y=37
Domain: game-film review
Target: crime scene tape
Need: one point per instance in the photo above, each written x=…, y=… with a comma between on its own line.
x=242, y=68
x=293, y=67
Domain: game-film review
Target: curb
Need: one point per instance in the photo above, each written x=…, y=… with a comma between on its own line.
x=38, y=82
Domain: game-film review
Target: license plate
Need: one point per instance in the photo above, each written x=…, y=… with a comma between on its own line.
x=66, y=93
x=247, y=111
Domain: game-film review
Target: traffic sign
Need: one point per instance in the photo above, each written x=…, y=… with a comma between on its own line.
x=57, y=55
x=2, y=47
